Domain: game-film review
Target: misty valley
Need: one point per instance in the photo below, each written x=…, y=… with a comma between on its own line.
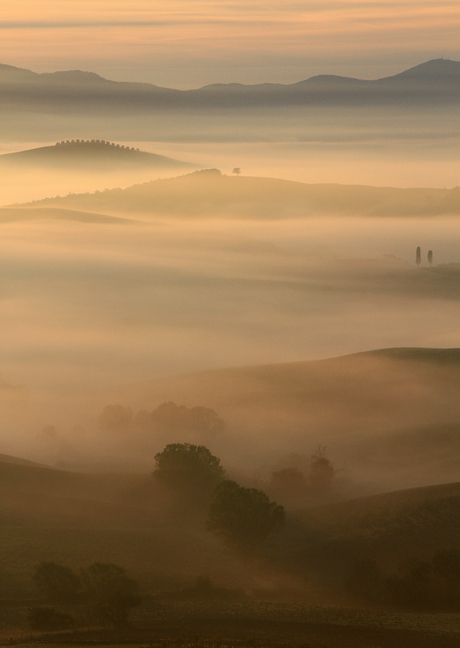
x=230, y=384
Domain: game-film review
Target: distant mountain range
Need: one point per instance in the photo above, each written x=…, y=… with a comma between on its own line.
x=433, y=82
x=90, y=155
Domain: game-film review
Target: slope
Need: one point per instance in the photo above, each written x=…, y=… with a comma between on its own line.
x=89, y=155
x=209, y=193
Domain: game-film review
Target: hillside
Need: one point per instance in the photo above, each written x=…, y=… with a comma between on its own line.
x=56, y=214
x=75, y=519
x=388, y=528
x=389, y=419
x=388, y=383
x=89, y=155
x=209, y=193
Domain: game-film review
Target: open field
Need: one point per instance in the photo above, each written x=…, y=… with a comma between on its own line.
x=267, y=624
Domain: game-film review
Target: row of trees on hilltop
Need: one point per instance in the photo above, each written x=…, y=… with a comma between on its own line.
x=94, y=142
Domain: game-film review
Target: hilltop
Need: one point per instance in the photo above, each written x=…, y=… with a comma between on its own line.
x=89, y=155
x=210, y=193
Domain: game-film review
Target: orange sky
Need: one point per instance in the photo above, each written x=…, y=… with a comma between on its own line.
x=182, y=43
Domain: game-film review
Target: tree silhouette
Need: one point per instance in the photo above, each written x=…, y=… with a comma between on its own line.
x=236, y=171
x=288, y=484
x=56, y=582
x=243, y=516
x=188, y=469
x=321, y=471
x=171, y=419
x=114, y=593
x=430, y=257
x=418, y=256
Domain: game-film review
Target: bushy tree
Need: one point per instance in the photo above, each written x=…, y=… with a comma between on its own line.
x=243, y=516
x=56, y=582
x=113, y=592
x=190, y=469
x=171, y=419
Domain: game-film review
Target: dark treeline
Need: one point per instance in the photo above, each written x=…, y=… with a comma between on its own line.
x=432, y=584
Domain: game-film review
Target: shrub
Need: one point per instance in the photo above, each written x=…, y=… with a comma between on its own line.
x=47, y=618
x=113, y=592
x=243, y=516
x=56, y=582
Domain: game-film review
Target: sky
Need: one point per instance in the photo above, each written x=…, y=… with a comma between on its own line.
x=189, y=43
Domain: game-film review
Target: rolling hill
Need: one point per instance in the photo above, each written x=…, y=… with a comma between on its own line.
x=75, y=519
x=209, y=193
x=367, y=384
x=389, y=418
x=89, y=155
x=55, y=214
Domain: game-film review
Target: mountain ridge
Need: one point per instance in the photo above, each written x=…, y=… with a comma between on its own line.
x=434, y=81
x=447, y=66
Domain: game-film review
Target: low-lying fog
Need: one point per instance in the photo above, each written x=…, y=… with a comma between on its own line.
x=89, y=306
x=411, y=162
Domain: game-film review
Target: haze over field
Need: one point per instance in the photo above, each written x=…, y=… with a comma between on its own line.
x=134, y=274
x=230, y=339
x=207, y=271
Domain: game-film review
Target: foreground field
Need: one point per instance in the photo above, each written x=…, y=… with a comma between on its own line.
x=259, y=624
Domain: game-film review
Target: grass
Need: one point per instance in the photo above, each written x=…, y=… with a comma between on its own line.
x=259, y=624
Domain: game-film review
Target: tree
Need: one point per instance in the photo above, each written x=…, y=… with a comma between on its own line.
x=418, y=256
x=236, y=171
x=56, y=582
x=169, y=418
x=243, y=516
x=114, y=593
x=430, y=257
x=366, y=580
x=190, y=469
x=321, y=471
x=288, y=484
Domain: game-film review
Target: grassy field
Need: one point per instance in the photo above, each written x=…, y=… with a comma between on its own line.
x=259, y=624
